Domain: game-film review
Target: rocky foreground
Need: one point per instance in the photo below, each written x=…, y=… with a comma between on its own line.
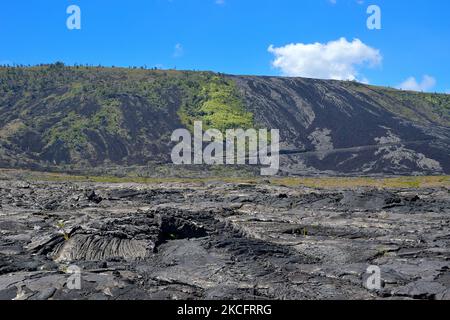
x=221, y=241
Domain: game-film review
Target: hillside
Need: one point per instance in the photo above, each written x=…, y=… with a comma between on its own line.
x=78, y=118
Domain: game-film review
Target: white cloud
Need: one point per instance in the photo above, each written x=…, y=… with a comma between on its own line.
x=178, y=50
x=339, y=60
x=411, y=83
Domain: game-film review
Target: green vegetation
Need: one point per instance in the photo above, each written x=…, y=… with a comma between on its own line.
x=72, y=128
x=217, y=104
x=420, y=107
x=11, y=129
x=431, y=107
x=61, y=227
x=109, y=117
x=69, y=131
x=82, y=114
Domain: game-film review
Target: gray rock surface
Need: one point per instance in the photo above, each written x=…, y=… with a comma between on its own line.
x=221, y=241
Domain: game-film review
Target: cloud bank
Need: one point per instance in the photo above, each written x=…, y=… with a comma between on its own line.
x=427, y=83
x=338, y=60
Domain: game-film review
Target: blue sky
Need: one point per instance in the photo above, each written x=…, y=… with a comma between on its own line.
x=234, y=36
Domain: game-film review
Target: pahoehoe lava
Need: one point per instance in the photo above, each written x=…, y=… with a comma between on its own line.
x=221, y=241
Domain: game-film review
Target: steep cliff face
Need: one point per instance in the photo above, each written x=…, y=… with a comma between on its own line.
x=91, y=117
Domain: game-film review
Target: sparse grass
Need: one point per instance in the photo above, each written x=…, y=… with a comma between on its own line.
x=312, y=182
x=61, y=225
x=141, y=180
x=11, y=128
x=358, y=182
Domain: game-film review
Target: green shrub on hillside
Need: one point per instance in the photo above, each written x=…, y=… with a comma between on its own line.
x=217, y=104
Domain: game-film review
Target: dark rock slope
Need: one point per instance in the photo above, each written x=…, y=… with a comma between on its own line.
x=78, y=117
x=346, y=127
